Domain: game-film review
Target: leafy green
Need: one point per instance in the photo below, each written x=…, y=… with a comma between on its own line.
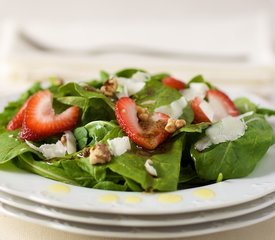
x=11, y=146
x=237, y=158
x=199, y=79
x=128, y=72
x=245, y=105
x=155, y=94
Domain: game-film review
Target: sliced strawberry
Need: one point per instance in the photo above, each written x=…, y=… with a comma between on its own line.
x=221, y=104
x=173, y=83
x=17, y=120
x=40, y=120
x=199, y=115
x=147, y=134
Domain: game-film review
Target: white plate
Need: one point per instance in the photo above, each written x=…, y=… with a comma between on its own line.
x=139, y=232
x=231, y=192
x=140, y=220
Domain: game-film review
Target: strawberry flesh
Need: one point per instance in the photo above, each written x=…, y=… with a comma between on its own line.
x=173, y=83
x=17, y=120
x=221, y=103
x=40, y=120
x=147, y=134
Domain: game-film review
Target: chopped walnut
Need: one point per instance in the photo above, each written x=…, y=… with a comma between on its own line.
x=109, y=87
x=174, y=124
x=100, y=154
x=143, y=113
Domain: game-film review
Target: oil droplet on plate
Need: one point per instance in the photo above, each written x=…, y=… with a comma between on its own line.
x=169, y=198
x=108, y=198
x=133, y=199
x=58, y=188
x=204, y=193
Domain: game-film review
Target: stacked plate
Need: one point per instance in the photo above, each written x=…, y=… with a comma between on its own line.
x=191, y=212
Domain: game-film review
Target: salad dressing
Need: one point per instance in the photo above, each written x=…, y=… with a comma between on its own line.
x=204, y=193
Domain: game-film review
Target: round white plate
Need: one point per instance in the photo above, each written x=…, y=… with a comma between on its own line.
x=138, y=220
x=231, y=192
x=139, y=232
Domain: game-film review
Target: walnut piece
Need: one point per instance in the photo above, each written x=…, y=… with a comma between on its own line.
x=100, y=154
x=143, y=113
x=174, y=124
x=109, y=88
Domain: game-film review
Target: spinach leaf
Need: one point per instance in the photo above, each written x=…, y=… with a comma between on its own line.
x=245, y=105
x=166, y=162
x=12, y=147
x=128, y=72
x=155, y=94
x=27, y=162
x=237, y=158
x=199, y=79
x=96, y=131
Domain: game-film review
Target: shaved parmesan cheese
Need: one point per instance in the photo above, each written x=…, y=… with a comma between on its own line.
x=228, y=129
x=203, y=143
x=130, y=86
x=220, y=111
x=70, y=142
x=57, y=149
x=119, y=145
x=195, y=90
x=207, y=110
x=149, y=168
x=174, y=109
x=50, y=150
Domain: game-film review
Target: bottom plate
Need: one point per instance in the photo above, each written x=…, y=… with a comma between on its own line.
x=140, y=220
x=139, y=232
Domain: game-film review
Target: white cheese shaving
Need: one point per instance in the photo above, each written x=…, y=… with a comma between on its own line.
x=207, y=110
x=70, y=142
x=50, y=150
x=228, y=129
x=174, y=109
x=119, y=145
x=195, y=90
x=149, y=168
x=56, y=149
x=129, y=86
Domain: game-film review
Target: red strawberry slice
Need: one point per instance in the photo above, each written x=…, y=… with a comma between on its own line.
x=40, y=120
x=199, y=115
x=17, y=120
x=221, y=104
x=173, y=83
x=147, y=134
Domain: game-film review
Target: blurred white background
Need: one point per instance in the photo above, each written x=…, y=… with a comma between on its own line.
x=227, y=41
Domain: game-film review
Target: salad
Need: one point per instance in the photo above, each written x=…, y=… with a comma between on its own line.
x=134, y=131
